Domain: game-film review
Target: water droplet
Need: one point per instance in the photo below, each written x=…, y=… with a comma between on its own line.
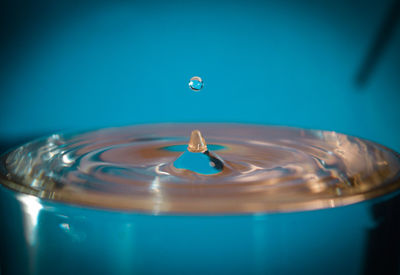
x=196, y=83
x=197, y=158
x=197, y=144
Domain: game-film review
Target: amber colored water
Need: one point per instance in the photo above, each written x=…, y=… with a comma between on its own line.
x=265, y=169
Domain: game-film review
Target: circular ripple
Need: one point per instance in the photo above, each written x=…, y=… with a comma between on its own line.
x=267, y=169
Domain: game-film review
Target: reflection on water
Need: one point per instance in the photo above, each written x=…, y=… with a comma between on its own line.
x=262, y=169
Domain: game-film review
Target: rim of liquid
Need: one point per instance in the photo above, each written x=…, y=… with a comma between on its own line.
x=266, y=169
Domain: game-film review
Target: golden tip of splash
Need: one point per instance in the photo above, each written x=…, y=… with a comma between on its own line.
x=197, y=144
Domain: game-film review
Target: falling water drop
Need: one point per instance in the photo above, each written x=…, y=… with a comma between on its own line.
x=196, y=83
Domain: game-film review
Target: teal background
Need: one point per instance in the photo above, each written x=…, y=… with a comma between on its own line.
x=75, y=65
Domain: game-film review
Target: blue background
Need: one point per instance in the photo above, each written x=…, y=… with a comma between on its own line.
x=74, y=65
